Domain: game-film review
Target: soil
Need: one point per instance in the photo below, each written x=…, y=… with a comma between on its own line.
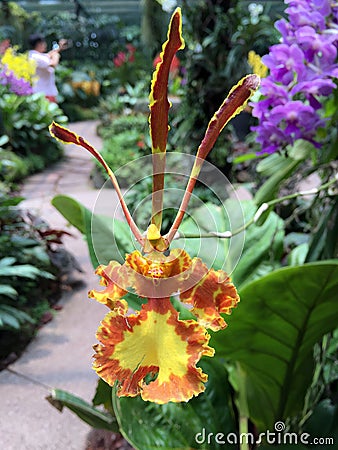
x=106, y=440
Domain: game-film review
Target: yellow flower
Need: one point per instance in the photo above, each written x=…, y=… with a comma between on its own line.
x=19, y=64
x=255, y=61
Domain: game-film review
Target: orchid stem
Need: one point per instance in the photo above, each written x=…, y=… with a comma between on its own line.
x=264, y=207
x=243, y=431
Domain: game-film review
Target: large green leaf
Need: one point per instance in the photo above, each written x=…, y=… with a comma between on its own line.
x=246, y=256
x=84, y=410
x=107, y=238
x=72, y=210
x=272, y=333
x=148, y=426
x=323, y=423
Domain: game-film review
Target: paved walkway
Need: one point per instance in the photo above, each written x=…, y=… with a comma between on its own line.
x=60, y=355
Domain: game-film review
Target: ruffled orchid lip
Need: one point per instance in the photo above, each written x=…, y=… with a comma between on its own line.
x=155, y=344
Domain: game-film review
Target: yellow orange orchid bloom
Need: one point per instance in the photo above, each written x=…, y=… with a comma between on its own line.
x=153, y=352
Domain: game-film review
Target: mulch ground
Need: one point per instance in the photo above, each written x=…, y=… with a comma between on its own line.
x=105, y=440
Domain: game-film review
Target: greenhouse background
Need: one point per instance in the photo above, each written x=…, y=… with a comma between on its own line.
x=169, y=219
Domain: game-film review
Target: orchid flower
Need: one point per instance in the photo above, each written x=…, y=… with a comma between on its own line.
x=153, y=352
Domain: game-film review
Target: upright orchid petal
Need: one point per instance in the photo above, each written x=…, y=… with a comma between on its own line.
x=69, y=137
x=159, y=109
x=235, y=102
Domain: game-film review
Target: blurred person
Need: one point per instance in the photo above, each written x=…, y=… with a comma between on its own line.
x=45, y=65
x=4, y=45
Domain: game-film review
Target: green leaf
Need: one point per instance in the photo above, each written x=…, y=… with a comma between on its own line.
x=324, y=242
x=272, y=333
x=249, y=254
x=7, y=261
x=4, y=139
x=110, y=239
x=84, y=410
x=13, y=317
x=10, y=201
x=25, y=271
x=272, y=163
x=323, y=422
x=278, y=168
x=298, y=254
x=301, y=150
x=103, y=395
x=8, y=320
x=8, y=291
x=176, y=425
x=107, y=238
x=72, y=210
x=205, y=219
x=247, y=157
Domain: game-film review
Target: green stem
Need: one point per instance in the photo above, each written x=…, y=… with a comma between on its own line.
x=243, y=431
x=264, y=207
x=242, y=406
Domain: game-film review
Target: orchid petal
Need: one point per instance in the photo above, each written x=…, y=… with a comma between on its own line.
x=159, y=109
x=211, y=295
x=67, y=136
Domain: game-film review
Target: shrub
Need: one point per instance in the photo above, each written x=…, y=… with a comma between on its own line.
x=124, y=141
x=30, y=274
x=25, y=120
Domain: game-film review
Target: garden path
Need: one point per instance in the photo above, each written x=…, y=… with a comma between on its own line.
x=60, y=355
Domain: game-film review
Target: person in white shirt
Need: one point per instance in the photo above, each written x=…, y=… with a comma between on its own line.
x=45, y=65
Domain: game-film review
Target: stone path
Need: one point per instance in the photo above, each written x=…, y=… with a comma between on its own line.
x=60, y=355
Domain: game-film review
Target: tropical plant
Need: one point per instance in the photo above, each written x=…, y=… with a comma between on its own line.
x=33, y=264
x=25, y=121
x=11, y=316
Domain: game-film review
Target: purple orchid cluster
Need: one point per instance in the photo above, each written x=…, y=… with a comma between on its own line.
x=302, y=71
x=18, y=86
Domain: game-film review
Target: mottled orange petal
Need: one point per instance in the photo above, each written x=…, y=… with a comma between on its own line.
x=111, y=296
x=211, y=295
x=155, y=344
x=157, y=275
